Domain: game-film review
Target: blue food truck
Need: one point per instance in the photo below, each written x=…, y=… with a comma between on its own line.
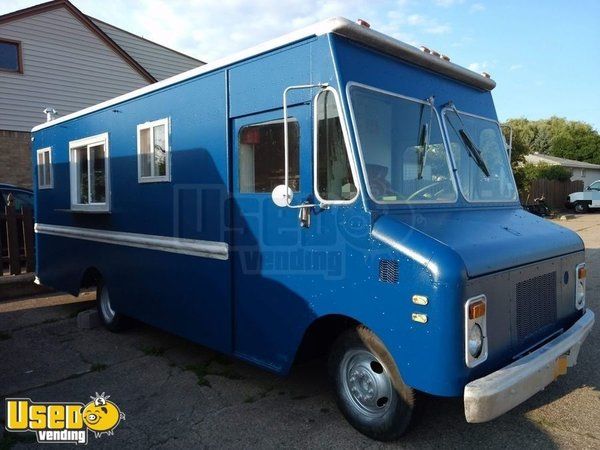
x=334, y=190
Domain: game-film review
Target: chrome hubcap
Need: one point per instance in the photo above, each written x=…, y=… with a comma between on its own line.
x=107, y=311
x=366, y=383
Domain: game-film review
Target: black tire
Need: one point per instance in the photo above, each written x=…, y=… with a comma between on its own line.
x=361, y=390
x=112, y=320
x=582, y=207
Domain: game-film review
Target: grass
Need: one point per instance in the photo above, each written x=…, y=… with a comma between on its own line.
x=200, y=371
x=207, y=368
x=153, y=351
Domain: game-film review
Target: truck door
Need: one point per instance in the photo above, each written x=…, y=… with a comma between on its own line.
x=265, y=236
x=281, y=262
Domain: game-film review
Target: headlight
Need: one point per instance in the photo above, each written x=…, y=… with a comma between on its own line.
x=476, y=346
x=475, y=343
x=580, y=276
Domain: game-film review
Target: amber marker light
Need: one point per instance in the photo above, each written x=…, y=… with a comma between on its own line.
x=581, y=272
x=476, y=310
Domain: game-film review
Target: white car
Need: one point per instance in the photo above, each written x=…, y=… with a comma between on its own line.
x=583, y=201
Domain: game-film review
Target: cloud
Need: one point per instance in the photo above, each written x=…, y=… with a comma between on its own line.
x=209, y=29
x=478, y=66
x=476, y=7
x=448, y=3
x=515, y=67
x=438, y=29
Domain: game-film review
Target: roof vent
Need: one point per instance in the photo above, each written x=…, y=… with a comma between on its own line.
x=363, y=23
x=425, y=49
x=485, y=75
x=50, y=114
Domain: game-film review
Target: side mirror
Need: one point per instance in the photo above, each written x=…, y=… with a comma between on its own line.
x=589, y=188
x=281, y=196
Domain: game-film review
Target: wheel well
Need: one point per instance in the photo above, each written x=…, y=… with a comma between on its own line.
x=91, y=277
x=321, y=334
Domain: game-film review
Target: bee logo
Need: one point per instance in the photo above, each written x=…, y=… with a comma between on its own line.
x=101, y=415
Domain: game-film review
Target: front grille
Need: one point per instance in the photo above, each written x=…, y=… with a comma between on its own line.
x=388, y=271
x=536, y=304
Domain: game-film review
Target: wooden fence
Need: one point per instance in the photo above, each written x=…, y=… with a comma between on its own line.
x=556, y=192
x=16, y=241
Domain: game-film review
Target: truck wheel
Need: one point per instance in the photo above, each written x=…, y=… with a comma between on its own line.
x=112, y=320
x=368, y=387
x=581, y=207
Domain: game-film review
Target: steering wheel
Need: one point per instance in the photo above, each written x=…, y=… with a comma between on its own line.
x=441, y=185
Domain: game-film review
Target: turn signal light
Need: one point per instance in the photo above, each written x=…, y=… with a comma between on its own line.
x=476, y=310
x=581, y=273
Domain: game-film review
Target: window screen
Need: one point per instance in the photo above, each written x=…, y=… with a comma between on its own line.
x=153, y=151
x=261, y=156
x=44, y=168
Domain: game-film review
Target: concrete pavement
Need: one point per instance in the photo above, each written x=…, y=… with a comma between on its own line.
x=180, y=395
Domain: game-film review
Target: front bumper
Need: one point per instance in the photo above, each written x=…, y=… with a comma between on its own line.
x=491, y=396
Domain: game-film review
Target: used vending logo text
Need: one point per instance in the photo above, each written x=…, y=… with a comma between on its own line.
x=63, y=422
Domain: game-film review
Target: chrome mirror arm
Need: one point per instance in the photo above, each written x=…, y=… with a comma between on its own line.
x=286, y=141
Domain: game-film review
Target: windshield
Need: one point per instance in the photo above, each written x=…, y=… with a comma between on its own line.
x=403, y=154
x=481, y=158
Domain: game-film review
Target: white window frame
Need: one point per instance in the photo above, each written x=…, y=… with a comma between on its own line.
x=44, y=184
x=349, y=152
x=74, y=171
x=150, y=125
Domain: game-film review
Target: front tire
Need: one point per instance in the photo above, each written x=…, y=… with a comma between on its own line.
x=581, y=207
x=112, y=320
x=369, y=390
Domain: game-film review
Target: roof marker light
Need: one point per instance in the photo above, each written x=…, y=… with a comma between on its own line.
x=485, y=75
x=445, y=57
x=363, y=23
x=425, y=49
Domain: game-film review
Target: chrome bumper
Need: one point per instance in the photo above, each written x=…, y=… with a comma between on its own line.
x=491, y=396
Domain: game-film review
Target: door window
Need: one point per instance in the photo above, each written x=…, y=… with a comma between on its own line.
x=334, y=179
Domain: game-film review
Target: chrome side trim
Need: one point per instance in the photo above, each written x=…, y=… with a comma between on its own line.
x=192, y=247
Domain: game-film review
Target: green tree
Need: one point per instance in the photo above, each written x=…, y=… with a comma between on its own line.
x=555, y=136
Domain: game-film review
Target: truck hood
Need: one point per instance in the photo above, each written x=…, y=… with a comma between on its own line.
x=486, y=240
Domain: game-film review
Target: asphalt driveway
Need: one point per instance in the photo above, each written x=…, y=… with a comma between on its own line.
x=180, y=395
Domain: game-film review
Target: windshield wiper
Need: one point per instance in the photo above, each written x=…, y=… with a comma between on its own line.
x=423, y=143
x=474, y=152
x=422, y=151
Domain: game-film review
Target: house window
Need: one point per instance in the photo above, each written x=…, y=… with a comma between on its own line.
x=10, y=56
x=89, y=166
x=153, y=151
x=44, y=168
x=261, y=157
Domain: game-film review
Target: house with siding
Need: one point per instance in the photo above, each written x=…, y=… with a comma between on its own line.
x=584, y=171
x=54, y=56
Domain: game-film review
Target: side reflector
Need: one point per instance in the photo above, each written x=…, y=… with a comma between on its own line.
x=420, y=300
x=476, y=310
x=421, y=318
